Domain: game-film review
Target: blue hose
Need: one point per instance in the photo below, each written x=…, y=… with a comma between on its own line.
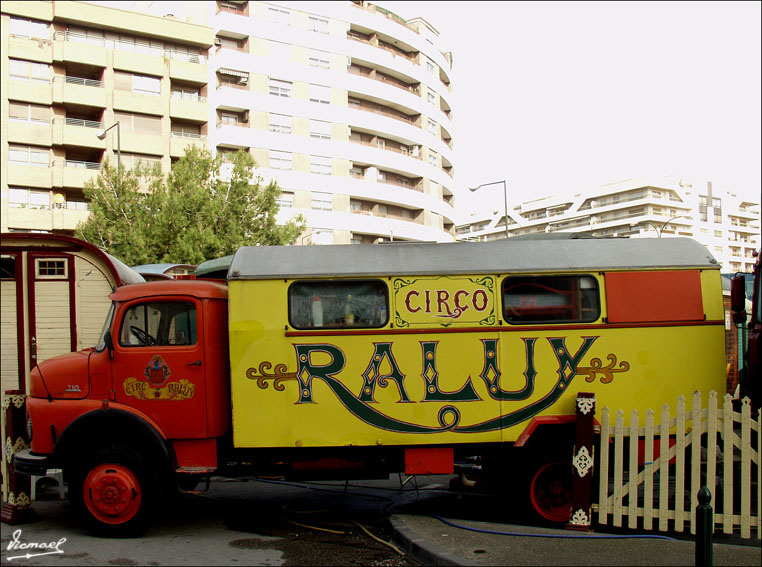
x=563, y=536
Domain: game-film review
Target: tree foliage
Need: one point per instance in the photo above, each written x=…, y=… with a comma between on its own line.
x=203, y=209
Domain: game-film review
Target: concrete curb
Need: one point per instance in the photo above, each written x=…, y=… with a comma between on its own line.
x=422, y=550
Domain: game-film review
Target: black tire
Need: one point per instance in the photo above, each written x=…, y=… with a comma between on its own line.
x=115, y=492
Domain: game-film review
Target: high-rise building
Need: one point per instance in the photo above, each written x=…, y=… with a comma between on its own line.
x=728, y=225
x=72, y=70
x=344, y=103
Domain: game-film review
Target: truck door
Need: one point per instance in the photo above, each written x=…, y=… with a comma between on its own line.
x=159, y=368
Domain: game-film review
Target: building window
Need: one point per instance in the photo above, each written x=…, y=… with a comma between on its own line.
x=229, y=118
x=32, y=29
x=280, y=123
x=320, y=165
x=29, y=112
x=280, y=88
x=433, y=159
x=30, y=71
x=141, y=84
x=382, y=211
x=381, y=143
x=29, y=155
x=317, y=24
x=320, y=129
x=130, y=160
x=320, y=93
x=280, y=160
x=319, y=59
x=321, y=201
x=431, y=98
x=279, y=16
x=28, y=199
x=432, y=127
x=286, y=200
x=138, y=123
x=186, y=93
x=430, y=67
x=51, y=268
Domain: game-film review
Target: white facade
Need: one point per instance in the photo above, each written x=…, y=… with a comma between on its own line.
x=708, y=212
x=337, y=99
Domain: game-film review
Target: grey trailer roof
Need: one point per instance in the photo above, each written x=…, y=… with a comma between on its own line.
x=220, y=265
x=499, y=256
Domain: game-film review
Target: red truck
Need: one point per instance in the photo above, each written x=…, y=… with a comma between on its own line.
x=363, y=361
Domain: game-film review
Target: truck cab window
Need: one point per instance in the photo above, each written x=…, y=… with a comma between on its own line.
x=550, y=299
x=338, y=304
x=159, y=324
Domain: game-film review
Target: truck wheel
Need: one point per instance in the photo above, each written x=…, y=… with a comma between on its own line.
x=115, y=491
x=550, y=492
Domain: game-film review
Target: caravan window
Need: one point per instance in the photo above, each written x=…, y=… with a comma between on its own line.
x=551, y=299
x=338, y=304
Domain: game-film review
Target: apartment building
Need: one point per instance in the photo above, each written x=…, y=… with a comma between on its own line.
x=345, y=104
x=71, y=70
x=725, y=223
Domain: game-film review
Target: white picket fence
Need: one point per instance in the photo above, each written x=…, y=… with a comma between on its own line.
x=654, y=489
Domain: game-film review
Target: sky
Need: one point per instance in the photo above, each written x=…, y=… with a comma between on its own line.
x=555, y=98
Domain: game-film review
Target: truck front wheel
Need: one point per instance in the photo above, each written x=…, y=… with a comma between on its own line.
x=115, y=492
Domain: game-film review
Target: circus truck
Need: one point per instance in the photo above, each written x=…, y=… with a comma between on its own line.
x=352, y=362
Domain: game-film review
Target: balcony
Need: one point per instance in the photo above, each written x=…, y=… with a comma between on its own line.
x=78, y=90
x=77, y=132
x=69, y=51
x=185, y=107
x=182, y=140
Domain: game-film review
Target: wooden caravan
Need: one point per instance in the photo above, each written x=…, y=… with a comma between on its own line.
x=54, y=299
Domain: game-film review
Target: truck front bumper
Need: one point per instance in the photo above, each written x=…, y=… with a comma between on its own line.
x=26, y=462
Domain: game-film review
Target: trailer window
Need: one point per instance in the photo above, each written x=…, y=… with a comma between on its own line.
x=338, y=304
x=550, y=299
x=159, y=324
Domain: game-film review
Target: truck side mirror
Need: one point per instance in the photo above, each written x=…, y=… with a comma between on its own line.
x=110, y=344
x=738, y=298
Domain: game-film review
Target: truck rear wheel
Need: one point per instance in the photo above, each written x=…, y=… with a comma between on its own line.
x=550, y=492
x=115, y=492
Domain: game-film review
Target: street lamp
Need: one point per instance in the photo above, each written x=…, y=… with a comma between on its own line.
x=505, y=194
x=660, y=230
x=102, y=136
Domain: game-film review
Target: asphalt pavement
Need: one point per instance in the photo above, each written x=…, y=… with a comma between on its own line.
x=436, y=540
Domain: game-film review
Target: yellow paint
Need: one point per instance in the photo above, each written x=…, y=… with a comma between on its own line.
x=629, y=368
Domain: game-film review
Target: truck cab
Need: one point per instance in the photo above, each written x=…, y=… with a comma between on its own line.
x=155, y=389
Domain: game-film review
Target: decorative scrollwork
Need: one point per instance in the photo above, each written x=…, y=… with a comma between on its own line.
x=278, y=375
x=585, y=405
x=12, y=448
x=607, y=372
x=579, y=518
x=582, y=461
x=16, y=399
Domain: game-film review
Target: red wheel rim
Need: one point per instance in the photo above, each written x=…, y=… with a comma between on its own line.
x=112, y=494
x=551, y=492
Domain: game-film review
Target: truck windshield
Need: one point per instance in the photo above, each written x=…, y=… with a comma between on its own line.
x=101, y=344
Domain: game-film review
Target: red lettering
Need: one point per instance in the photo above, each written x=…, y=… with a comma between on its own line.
x=428, y=302
x=407, y=301
x=460, y=309
x=442, y=297
x=480, y=293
